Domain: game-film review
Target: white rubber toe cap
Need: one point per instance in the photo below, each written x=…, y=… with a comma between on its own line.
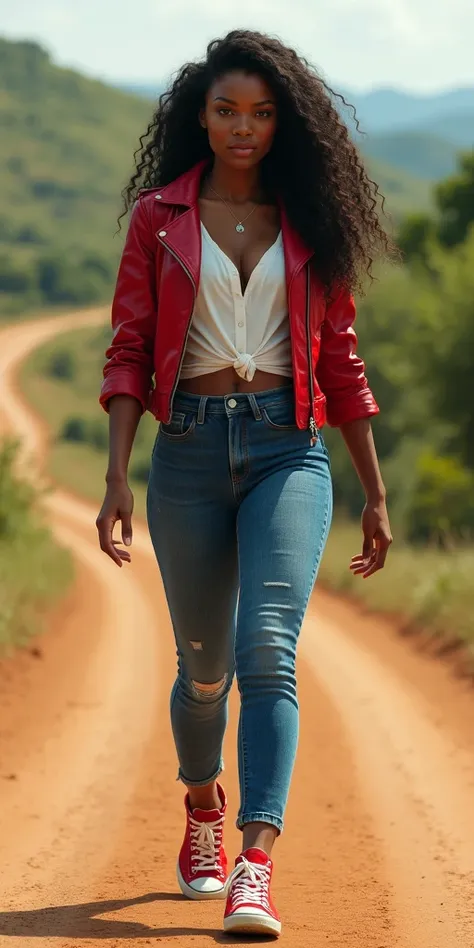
x=206, y=885
x=205, y=888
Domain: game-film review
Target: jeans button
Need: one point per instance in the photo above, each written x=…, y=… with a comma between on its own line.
x=232, y=403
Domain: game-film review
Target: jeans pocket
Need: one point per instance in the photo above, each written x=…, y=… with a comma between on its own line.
x=280, y=416
x=180, y=427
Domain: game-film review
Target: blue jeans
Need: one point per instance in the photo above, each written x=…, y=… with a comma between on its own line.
x=239, y=507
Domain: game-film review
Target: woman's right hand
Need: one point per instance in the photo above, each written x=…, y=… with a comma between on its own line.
x=118, y=505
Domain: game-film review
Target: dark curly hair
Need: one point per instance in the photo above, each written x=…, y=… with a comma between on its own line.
x=313, y=163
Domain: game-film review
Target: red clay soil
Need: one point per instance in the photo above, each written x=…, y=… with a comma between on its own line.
x=378, y=849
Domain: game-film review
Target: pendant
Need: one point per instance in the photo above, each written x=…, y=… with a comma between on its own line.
x=239, y=228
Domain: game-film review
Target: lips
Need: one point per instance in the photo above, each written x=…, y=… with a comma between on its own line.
x=243, y=151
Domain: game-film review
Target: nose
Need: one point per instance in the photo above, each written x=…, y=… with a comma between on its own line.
x=242, y=126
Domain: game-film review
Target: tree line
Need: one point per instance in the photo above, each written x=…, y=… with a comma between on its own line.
x=416, y=334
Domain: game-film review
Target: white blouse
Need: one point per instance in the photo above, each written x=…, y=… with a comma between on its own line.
x=248, y=331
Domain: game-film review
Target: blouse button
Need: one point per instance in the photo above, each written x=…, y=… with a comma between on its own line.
x=162, y=233
x=157, y=197
x=241, y=324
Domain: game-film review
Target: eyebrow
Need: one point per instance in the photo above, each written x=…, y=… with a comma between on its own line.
x=222, y=98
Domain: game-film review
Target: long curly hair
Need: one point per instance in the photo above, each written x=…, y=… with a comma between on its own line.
x=313, y=164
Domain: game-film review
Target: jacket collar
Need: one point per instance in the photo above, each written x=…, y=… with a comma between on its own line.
x=184, y=192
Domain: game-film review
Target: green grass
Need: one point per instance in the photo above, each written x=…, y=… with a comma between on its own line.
x=34, y=571
x=427, y=586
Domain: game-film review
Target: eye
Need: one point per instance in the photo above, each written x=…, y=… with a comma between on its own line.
x=224, y=111
x=264, y=113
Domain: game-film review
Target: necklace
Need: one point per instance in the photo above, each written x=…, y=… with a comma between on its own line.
x=240, y=224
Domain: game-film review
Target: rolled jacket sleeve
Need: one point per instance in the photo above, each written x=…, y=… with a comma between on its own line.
x=130, y=357
x=340, y=371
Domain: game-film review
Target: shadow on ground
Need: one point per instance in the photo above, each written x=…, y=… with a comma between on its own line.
x=80, y=921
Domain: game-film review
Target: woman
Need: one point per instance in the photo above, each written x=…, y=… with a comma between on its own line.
x=254, y=224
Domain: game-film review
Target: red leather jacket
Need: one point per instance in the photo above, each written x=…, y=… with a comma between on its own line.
x=154, y=299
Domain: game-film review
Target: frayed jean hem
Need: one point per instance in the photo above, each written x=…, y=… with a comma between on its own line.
x=200, y=783
x=259, y=818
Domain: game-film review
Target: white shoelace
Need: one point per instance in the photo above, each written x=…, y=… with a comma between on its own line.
x=206, y=839
x=250, y=882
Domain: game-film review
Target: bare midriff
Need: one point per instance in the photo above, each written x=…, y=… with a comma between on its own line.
x=227, y=382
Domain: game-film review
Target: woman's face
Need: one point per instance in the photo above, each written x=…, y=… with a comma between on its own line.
x=241, y=118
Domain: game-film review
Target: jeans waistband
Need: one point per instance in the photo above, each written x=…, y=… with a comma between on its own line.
x=245, y=402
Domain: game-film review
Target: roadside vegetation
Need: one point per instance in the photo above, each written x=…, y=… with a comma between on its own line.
x=427, y=588
x=34, y=571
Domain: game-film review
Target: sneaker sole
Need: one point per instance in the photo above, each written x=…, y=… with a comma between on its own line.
x=252, y=925
x=191, y=893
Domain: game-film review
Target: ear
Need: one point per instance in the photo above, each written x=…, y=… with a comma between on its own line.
x=202, y=118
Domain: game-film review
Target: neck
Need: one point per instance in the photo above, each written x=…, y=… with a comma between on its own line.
x=236, y=187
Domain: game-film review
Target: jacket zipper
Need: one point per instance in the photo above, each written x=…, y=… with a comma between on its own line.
x=189, y=274
x=312, y=423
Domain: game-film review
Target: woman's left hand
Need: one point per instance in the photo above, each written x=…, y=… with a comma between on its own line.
x=377, y=539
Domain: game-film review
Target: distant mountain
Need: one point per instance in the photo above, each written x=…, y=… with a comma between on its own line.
x=145, y=91
x=457, y=128
x=384, y=110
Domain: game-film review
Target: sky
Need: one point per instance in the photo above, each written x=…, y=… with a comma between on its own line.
x=417, y=45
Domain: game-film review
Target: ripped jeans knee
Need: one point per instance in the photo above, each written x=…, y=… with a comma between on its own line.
x=210, y=691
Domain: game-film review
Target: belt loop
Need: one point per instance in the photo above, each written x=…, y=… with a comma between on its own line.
x=254, y=406
x=202, y=410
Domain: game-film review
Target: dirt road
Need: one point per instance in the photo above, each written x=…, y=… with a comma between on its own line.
x=378, y=850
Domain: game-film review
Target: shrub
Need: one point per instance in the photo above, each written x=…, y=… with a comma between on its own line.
x=16, y=497
x=34, y=571
x=442, y=503
x=74, y=429
x=85, y=431
x=62, y=364
x=15, y=276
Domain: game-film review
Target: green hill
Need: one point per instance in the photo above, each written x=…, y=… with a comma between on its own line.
x=417, y=153
x=403, y=192
x=66, y=147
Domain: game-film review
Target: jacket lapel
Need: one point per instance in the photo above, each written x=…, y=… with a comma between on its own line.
x=182, y=237
x=182, y=233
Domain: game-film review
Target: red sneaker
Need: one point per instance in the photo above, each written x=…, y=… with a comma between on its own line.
x=249, y=909
x=202, y=864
